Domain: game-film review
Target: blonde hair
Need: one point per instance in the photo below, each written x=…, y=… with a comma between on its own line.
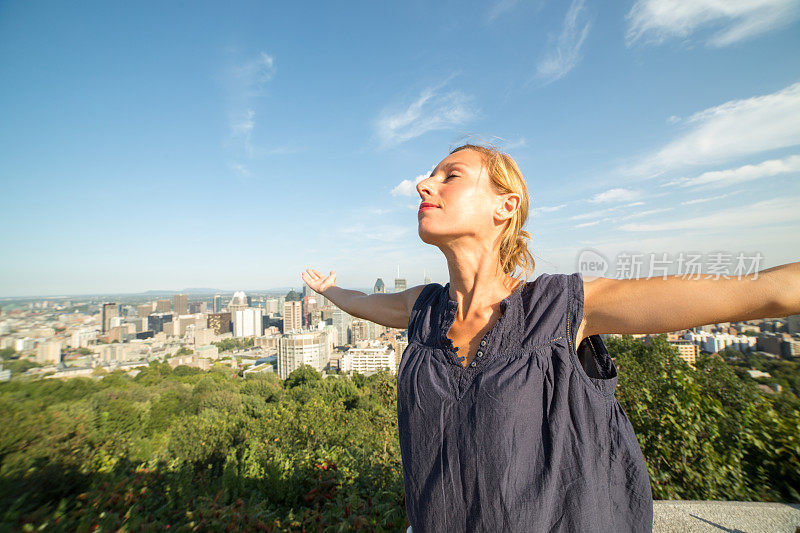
x=505, y=177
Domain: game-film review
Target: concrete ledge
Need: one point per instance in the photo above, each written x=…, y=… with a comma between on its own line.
x=703, y=515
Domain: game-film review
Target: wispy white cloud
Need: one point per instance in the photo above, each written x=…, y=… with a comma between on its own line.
x=724, y=178
x=548, y=209
x=242, y=129
x=731, y=130
x=500, y=7
x=618, y=194
x=617, y=214
x=409, y=187
x=432, y=110
x=246, y=83
x=380, y=232
x=735, y=20
x=776, y=210
x=587, y=224
x=709, y=198
x=644, y=213
x=565, y=54
x=240, y=169
x=283, y=150
x=254, y=73
x=609, y=213
x=513, y=145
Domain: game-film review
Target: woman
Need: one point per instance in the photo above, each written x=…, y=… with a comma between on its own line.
x=505, y=394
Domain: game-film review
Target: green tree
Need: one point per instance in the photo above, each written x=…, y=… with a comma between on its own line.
x=303, y=375
x=7, y=353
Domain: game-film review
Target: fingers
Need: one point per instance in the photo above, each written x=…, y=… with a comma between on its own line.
x=316, y=275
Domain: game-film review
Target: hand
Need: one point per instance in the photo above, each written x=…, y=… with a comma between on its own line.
x=317, y=281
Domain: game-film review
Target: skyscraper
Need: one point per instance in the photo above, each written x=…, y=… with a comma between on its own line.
x=380, y=286
x=399, y=283
x=292, y=316
x=163, y=306
x=197, y=307
x=180, y=303
x=307, y=348
x=217, y=303
x=342, y=321
x=238, y=302
x=247, y=322
x=156, y=321
x=220, y=322
x=110, y=310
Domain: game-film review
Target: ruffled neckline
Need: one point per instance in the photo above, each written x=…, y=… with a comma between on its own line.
x=451, y=310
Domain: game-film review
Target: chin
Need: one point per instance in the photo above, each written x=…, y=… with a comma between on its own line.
x=427, y=237
x=431, y=237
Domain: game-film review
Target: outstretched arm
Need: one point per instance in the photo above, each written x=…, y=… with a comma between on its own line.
x=660, y=305
x=390, y=310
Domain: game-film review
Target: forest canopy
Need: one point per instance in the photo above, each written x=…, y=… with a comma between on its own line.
x=197, y=450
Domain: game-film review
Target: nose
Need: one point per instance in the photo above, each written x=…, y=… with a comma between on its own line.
x=424, y=185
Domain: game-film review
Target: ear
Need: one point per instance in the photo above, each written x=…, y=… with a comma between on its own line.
x=509, y=203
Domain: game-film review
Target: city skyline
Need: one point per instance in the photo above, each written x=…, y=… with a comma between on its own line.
x=236, y=146
x=192, y=293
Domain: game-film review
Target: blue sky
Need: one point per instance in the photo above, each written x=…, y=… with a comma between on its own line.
x=152, y=145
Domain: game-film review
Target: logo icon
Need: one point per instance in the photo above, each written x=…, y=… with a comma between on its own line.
x=592, y=263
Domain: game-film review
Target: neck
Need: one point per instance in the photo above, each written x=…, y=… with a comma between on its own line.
x=477, y=282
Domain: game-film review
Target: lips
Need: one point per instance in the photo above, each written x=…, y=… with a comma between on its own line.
x=426, y=205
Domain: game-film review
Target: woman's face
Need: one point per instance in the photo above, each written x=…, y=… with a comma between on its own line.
x=466, y=204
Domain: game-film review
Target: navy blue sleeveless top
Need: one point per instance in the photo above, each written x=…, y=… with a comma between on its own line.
x=529, y=436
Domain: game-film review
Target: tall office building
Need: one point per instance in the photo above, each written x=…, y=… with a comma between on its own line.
x=110, y=310
x=363, y=330
x=156, y=321
x=49, y=352
x=295, y=349
x=292, y=316
x=380, y=286
x=220, y=322
x=163, y=306
x=217, y=303
x=180, y=304
x=144, y=310
x=309, y=304
x=399, y=285
x=248, y=322
x=271, y=306
x=238, y=302
x=197, y=307
x=342, y=321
